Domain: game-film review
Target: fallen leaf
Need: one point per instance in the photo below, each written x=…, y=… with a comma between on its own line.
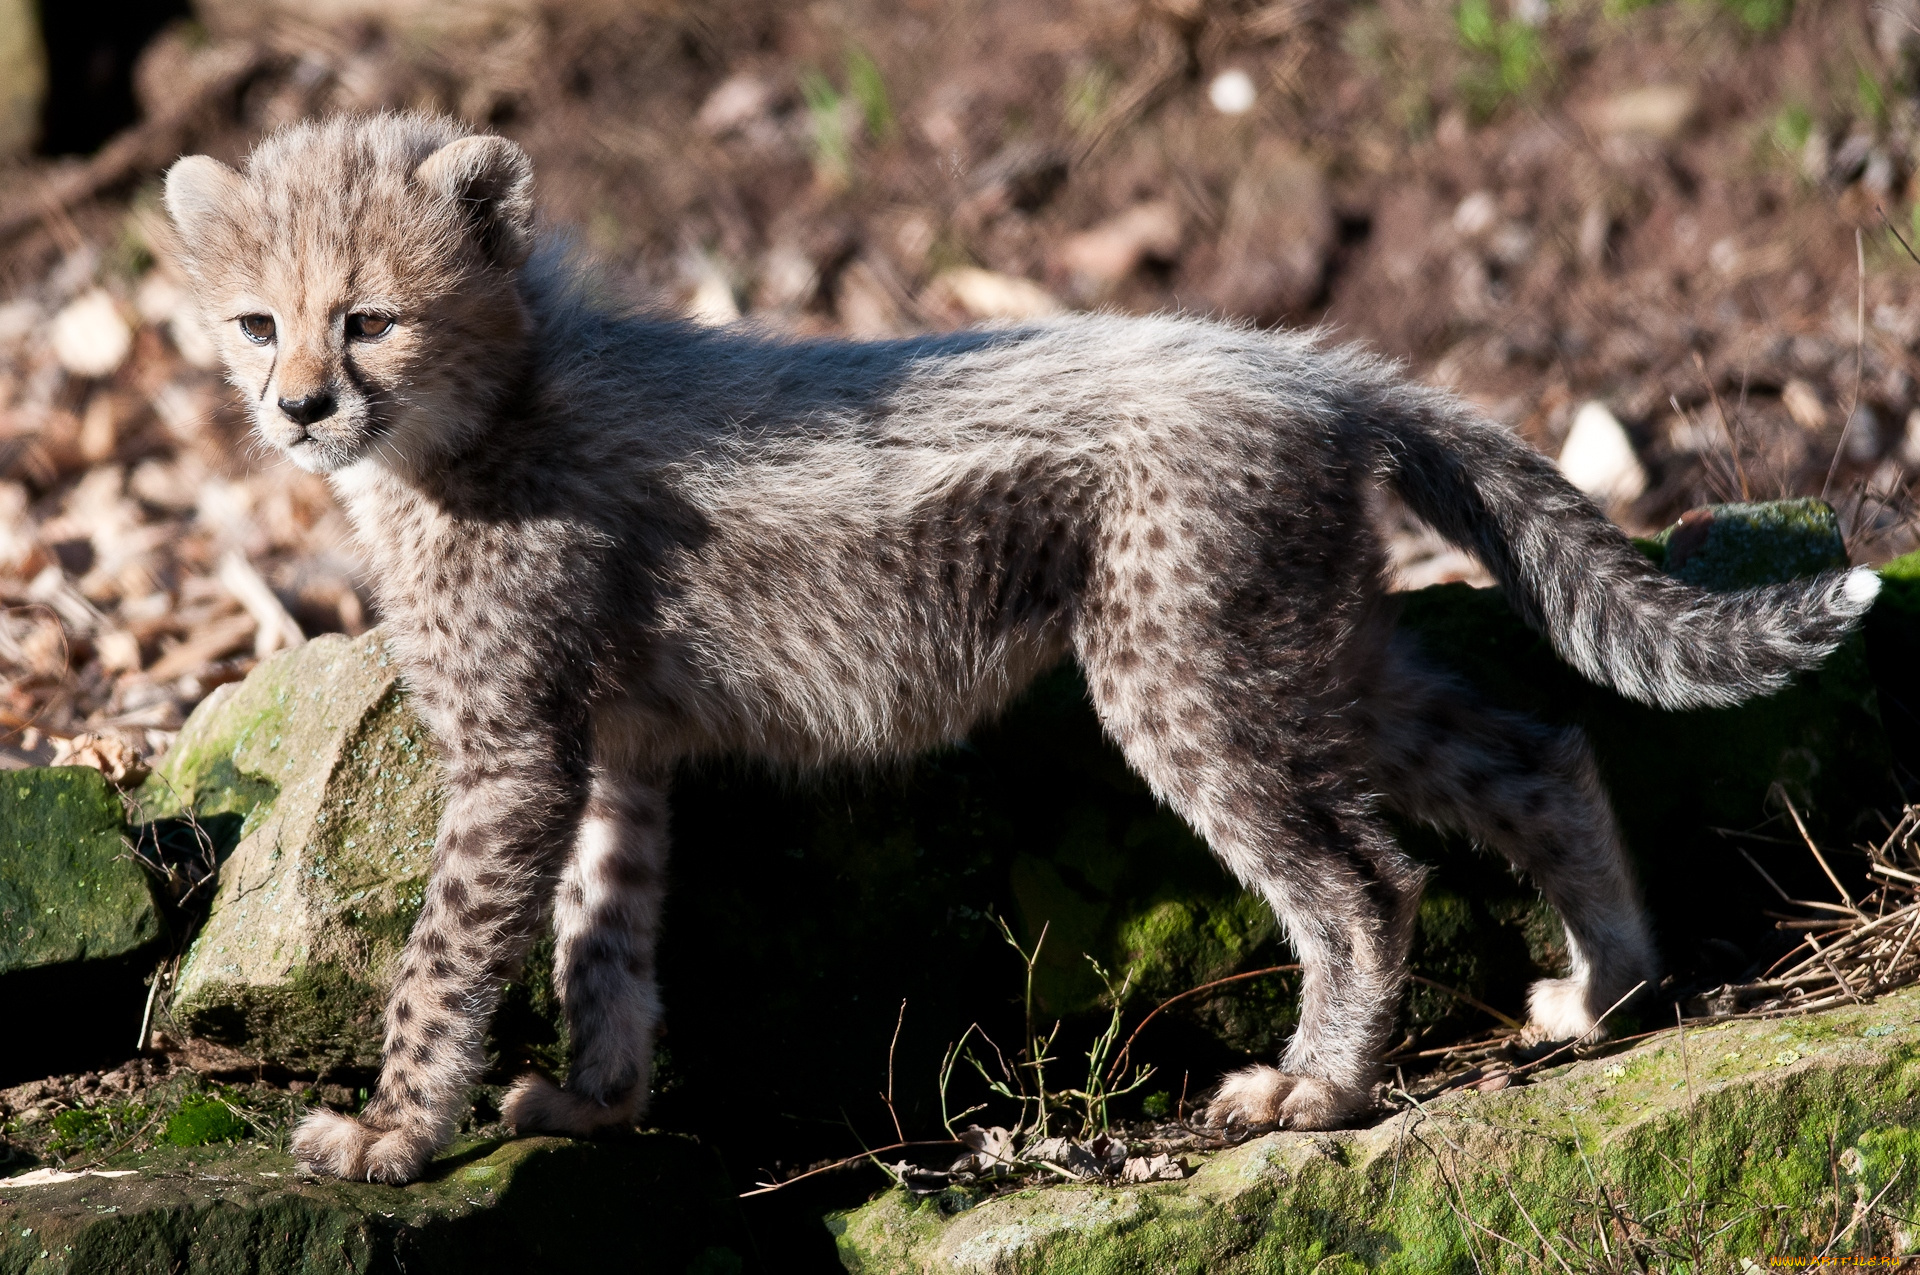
x=1155, y=1168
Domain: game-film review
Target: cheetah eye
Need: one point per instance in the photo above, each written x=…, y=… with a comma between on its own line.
x=257, y=328
x=368, y=327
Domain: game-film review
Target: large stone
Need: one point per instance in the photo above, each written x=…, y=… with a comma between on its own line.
x=70, y=890
x=652, y=1203
x=1748, y=1139
x=1741, y=545
x=326, y=788
x=79, y=924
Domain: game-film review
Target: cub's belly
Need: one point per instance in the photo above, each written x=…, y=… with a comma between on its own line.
x=822, y=697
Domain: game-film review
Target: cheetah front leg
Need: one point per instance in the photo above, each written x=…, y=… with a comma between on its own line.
x=502, y=839
x=606, y=922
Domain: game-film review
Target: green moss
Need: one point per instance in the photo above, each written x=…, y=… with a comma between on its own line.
x=373, y=837
x=1749, y=544
x=199, y=775
x=321, y=1019
x=201, y=1120
x=1902, y=569
x=69, y=890
x=80, y=1129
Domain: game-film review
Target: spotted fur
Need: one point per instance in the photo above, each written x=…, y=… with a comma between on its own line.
x=606, y=543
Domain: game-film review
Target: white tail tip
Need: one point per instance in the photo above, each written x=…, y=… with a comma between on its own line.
x=1862, y=586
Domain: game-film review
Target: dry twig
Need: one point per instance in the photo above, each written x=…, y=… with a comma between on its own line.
x=1862, y=949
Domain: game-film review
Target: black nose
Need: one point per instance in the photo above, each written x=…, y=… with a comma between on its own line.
x=316, y=406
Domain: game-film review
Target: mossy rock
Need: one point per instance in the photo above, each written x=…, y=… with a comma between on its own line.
x=1724, y=1145
x=331, y=790
x=320, y=788
x=652, y=1203
x=70, y=890
x=1893, y=653
x=79, y=924
x=1739, y=546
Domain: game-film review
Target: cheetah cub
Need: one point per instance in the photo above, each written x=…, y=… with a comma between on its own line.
x=605, y=544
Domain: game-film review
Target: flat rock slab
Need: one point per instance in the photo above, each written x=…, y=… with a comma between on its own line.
x=649, y=1203
x=69, y=888
x=1750, y=1139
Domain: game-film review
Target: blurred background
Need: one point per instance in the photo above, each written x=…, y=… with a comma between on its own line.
x=1674, y=222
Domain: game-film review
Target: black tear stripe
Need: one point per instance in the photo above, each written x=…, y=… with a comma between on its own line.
x=376, y=422
x=352, y=374
x=271, y=369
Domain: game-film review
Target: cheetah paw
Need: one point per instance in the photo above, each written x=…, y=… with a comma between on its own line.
x=1557, y=1010
x=537, y=1105
x=343, y=1147
x=1260, y=1098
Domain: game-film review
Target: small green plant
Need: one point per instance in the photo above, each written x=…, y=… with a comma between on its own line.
x=81, y=1129
x=88, y=1130
x=1508, y=56
x=204, y=1119
x=1097, y=1093
x=1038, y=1107
x=828, y=111
x=832, y=149
x=1871, y=94
x=865, y=84
x=1760, y=15
x=1791, y=128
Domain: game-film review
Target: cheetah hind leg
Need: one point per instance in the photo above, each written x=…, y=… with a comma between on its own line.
x=606, y=923
x=1532, y=792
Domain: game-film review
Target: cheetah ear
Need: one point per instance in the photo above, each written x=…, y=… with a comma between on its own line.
x=493, y=179
x=199, y=189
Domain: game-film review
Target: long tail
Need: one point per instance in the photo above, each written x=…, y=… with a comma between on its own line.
x=1573, y=576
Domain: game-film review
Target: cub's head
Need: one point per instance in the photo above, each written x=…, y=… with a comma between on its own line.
x=359, y=280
